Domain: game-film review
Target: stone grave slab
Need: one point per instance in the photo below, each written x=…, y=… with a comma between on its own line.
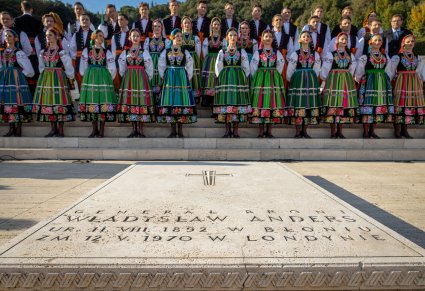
x=211, y=226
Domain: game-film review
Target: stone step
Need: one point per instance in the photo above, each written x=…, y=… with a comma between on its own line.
x=211, y=143
x=213, y=149
x=209, y=130
x=213, y=154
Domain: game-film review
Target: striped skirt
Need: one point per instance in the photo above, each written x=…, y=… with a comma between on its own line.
x=209, y=80
x=15, y=96
x=52, y=99
x=409, y=101
x=303, y=99
x=136, y=101
x=196, y=79
x=156, y=82
x=97, y=99
x=375, y=97
x=231, y=100
x=268, y=97
x=177, y=103
x=339, y=98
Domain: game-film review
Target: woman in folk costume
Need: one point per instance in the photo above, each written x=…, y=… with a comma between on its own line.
x=267, y=88
x=177, y=103
x=366, y=29
x=52, y=99
x=155, y=45
x=98, y=102
x=15, y=95
x=375, y=92
x=136, y=101
x=210, y=48
x=231, y=101
x=339, y=93
x=245, y=42
x=192, y=44
x=303, y=98
x=409, y=101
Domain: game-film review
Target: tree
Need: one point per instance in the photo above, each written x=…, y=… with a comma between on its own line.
x=417, y=20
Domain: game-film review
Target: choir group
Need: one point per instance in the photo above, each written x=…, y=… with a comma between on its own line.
x=158, y=70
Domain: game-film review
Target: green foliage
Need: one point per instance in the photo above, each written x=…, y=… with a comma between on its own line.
x=42, y=7
x=413, y=11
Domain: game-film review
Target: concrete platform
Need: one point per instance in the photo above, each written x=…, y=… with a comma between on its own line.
x=257, y=252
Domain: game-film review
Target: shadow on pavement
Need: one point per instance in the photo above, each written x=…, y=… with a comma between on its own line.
x=60, y=170
x=16, y=224
x=398, y=225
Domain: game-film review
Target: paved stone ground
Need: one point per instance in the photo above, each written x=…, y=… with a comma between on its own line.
x=392, y=193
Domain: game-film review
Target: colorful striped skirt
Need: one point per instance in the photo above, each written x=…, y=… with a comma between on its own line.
x=339, y=98
x=268, y=97
x=97, y=99
x=15, y=96
x=136, y=100
x=156, y=82
x=303, y=99
x=209, y=80
x=409, y=101
x=52, y=99
x=196, y=79
x=231, y=100
x=177, y=103
x=375, y=97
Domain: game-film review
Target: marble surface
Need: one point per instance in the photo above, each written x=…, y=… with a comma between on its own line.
x=211, y=225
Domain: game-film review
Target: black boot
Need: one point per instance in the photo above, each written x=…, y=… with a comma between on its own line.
x=404, y=131
x=141, y=134
x=133, y=131
x=60, y=130
x=180, y=130
x=102, y=129
x=372, y=131
x=366, y=130
x=269, y=133
x=95, y=130
x=236, y=130
x=333, y=131
x=12, y=130
x=18, y=132
x=261, y=131
x=173, y=131
x=53, y=129
x=298, y=131
x=228, y=132
x=305, y=134
x=339, y=131
x=397, y=130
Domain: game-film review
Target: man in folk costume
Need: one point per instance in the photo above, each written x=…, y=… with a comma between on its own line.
x=288, y=27
x=80, y=40
x=201, y=24
x=363, y=44
x=173, y=20
x=6, y=21
x=346, y=12
x=229, y=21
x=318, y=34
x=144, y=24
x=120, y=42
x=256, y=25
x=345, y=27
x=282, y=42
x=32, y=27
x=74, y=26
x=40, y=40
x=110, y=23
x=395, y=35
